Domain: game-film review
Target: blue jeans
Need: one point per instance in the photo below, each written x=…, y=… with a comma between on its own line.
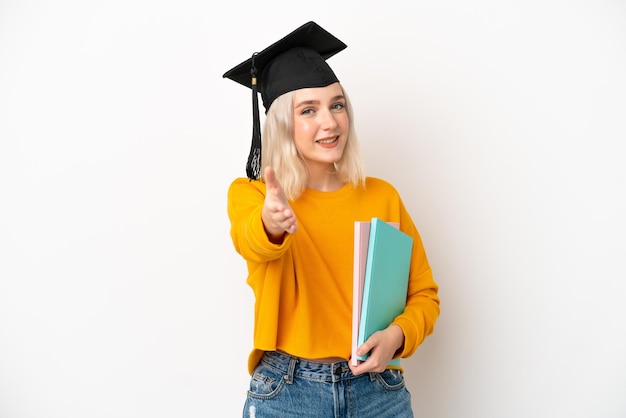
x=283, y=386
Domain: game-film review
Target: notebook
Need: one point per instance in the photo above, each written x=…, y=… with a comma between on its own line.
x=381, y=279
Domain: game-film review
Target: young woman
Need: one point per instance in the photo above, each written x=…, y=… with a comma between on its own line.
x=292, y=220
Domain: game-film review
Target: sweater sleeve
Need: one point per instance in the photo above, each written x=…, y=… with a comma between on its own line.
x=422, y=307
x=245, y=201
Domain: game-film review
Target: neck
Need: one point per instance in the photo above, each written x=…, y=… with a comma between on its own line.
x=324, y=180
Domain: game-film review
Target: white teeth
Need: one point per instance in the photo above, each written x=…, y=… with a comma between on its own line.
x=327, y=141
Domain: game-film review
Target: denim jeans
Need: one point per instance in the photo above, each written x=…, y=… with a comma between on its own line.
x=283, y=386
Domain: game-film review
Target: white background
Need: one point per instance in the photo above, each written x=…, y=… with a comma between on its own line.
x=502, y=124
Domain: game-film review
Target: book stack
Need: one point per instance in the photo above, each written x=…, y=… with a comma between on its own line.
x=382, y=259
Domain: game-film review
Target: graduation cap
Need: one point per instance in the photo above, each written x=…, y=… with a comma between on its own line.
x=296, y=61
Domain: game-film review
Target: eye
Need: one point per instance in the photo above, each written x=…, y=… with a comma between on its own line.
x=307, y=111
x=338, y=106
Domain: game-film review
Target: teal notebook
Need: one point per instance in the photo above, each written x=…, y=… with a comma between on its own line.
x=386, y=279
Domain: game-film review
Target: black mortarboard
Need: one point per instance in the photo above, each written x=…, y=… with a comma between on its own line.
x=296, y=61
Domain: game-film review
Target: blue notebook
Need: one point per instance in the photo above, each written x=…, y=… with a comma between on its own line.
x=386, y=279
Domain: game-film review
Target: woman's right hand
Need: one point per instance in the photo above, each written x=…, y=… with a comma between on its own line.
x=276, y=214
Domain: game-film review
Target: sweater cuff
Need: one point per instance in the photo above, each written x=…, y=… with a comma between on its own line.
x=259, y=239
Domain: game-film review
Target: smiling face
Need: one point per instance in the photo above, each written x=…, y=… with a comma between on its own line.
x=320, y=125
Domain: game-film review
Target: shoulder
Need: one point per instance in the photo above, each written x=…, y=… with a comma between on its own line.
x=378, y=185
x=244, y=184
x=243, y=190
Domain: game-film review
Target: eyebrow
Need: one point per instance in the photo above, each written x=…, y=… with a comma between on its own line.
x=311, y=102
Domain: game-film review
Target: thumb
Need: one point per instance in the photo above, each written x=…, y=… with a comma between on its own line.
x=270, y=178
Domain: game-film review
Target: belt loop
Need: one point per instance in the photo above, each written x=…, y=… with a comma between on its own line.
x=292, y=369
x=372, y=376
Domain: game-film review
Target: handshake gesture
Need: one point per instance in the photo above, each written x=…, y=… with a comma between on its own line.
x=277, y=215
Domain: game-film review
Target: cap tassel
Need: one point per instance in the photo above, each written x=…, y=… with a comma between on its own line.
x=253, y=167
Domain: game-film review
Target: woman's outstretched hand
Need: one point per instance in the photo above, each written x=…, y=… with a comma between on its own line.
x=276, y=214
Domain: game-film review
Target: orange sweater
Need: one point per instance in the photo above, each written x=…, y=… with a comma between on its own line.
x=303, y=286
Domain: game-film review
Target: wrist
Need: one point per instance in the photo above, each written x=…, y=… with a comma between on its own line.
x=398, y=337
x=274, y=237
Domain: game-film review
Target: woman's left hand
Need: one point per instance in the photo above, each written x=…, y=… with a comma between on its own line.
x=381, y=346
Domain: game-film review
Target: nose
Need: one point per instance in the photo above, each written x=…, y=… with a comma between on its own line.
x=328, y=121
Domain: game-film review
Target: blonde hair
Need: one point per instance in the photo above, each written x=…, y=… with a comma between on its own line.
x=279, y=150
